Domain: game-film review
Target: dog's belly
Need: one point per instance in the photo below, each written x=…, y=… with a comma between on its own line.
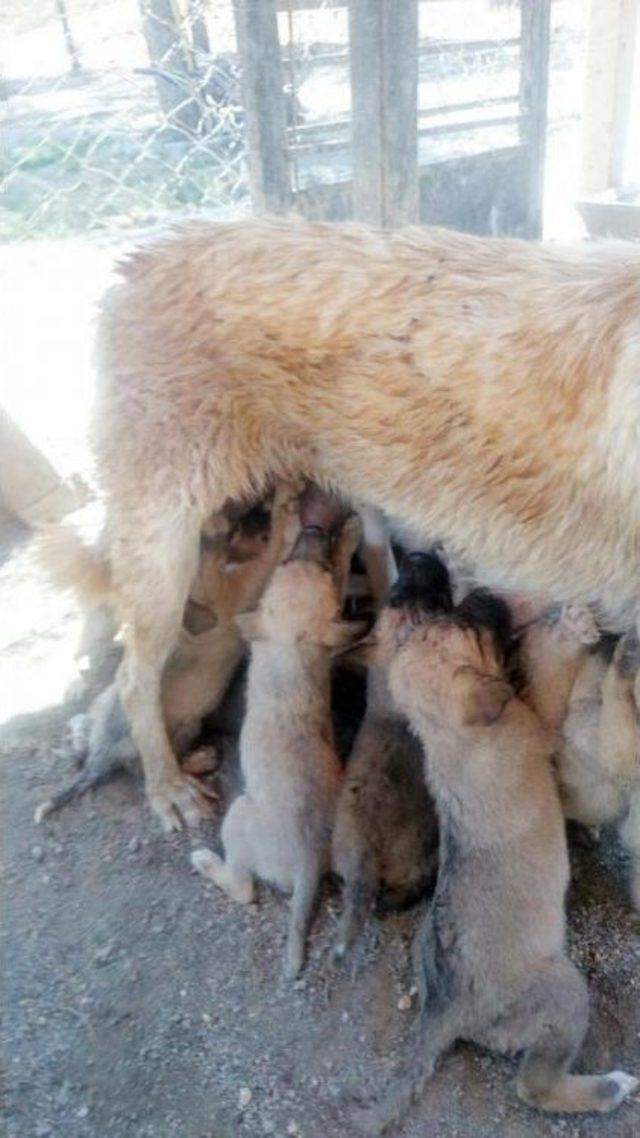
x=524, y=525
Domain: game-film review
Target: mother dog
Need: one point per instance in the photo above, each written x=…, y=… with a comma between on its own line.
x=485, y=392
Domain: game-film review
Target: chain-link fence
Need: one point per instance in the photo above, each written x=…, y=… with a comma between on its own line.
x=120, y=113
x=125, y=111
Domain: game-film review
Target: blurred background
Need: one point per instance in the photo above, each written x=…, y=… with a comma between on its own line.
x=120, y=116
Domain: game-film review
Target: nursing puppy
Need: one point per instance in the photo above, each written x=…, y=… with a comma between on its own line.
x=484, y=391
x=553, y=646
x=490, y=958
x=279, y=828
x=232, y=573
x=385, y=841
x=598, y=762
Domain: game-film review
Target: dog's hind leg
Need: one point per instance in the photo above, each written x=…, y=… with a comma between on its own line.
x=154, y=562
x=562, y=1013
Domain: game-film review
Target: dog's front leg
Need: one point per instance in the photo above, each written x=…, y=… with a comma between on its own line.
x=153, y=571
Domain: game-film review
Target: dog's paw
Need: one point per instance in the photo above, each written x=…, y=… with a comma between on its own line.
x=178, y=802
x=579, y=623
x=614, y=1088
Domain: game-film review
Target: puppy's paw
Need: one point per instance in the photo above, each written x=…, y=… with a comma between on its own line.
x=178, y=802
x=206, y=862
x=614, y=1088
x=579, y=623
x=204, y=760
x=41, y=811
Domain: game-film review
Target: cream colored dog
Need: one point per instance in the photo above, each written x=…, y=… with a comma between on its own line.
x=485, y=392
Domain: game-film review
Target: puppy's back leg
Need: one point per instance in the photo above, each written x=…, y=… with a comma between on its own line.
x=304, y=894
x=234, y=872
x=154, y=560
x=543, y=1081
x=236, y=881
x=357, y=900
x=437, y=1032
x=99, y=769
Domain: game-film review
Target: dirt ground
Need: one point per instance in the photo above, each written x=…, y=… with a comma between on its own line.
x=138, y=1002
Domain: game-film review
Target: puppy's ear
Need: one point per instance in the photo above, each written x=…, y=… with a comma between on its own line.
x=342, y=635
x=249, y=625
x=484, y=698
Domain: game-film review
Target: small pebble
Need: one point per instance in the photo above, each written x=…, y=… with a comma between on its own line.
x=37, y=853
x=134, y=845
x=244, y=1097
x=404, y=1003
x=293, y=1128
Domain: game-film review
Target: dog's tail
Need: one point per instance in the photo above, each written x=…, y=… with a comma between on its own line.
x=377, y=1119
x=71, y=563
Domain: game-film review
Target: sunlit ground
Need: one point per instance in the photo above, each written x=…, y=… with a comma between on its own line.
x=38, y=635
x=49, y=293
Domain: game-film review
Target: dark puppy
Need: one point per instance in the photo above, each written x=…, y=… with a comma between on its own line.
x=385, y=838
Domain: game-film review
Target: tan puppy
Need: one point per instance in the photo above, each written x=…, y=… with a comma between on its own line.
x=232, y=573
x=484, y=391
x=490, y=957
x=599, y=761
x=279, y=829
x=553, y=647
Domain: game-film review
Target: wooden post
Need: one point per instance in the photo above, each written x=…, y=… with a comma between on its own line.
x=534, y=90
x=384, y=109
x=197, y=20
x=171, y=65
x=69, y=42
x=613, y=27
x=264, y=105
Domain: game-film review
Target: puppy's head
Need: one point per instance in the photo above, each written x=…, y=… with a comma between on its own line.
x=302, y=604
x=423, y=585
x=421, y=591
x=250, y=534
x=450, y=672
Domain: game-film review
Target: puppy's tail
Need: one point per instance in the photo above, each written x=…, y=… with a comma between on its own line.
x=377, y=1119
x=71, y=563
